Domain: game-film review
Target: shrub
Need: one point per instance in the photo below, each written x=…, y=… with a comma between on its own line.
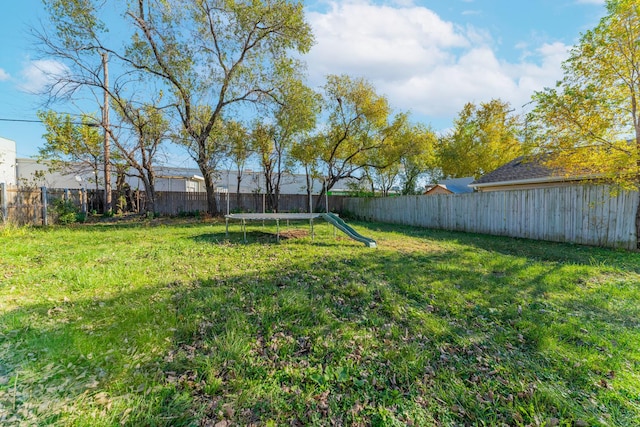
x=67, y=212
x=189, y=214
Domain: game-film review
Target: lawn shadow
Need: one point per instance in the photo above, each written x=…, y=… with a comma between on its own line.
x=178, y=351
x=351, y=335
x=260, y=237
x=538, y=250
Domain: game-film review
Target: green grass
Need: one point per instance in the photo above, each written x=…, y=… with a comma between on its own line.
x=168, y=323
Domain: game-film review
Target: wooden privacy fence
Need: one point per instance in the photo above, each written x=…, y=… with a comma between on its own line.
x=176, y=203
x=22, y=206
x=257, y=202
x=589, y=215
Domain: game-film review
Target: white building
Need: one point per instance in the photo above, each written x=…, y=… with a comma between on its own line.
x=34, y=173
x=8, y=174
x=37, y=174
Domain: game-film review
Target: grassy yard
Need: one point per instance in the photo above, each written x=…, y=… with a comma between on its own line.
x=168, y=323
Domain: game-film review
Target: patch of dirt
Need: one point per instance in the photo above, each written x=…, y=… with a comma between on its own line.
x=294, y=234
x=262, y=236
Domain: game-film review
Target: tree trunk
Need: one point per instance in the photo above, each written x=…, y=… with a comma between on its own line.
x=276, y=192
x=149, y=191
x=309, y=190
x=238, y=192
x=212, y=206
x=276, y=199
x=151, y=199
x=321, y=198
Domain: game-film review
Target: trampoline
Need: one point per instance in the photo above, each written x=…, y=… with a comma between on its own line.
x=277, y=217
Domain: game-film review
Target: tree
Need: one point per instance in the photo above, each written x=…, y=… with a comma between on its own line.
x=212, y=56
x=238, y=144
x=483, y=139
x=262, y=141
x=216, y=53
x=419, y=158
x=75, y=38
x=407, y=155
x=589, y=124
x=139, y=147
x=71, y=146
x=358, y=126
x=209, y=152
x=303, y=153
x=293, y=117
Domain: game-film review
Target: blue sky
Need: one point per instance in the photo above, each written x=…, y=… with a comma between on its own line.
x=428, y=57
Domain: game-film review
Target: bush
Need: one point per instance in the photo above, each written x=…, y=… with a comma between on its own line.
x=189, y=214
x=67, y=212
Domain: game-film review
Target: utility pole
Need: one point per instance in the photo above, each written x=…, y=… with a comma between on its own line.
x=107, y=143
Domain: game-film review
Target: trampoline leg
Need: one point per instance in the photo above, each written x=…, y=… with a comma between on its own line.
x=226, y=234
x=244, y=230
x=312, y=232
x=278, y=230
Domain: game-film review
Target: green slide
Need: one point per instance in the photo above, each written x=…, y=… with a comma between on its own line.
x=342, y=226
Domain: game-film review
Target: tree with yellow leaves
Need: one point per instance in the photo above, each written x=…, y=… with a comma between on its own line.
x=484, y=137
x=590, y=121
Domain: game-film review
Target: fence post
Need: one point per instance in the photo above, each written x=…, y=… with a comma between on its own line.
x=44, y=205
x=3, y=198
x=326, y=200
x=83, y=200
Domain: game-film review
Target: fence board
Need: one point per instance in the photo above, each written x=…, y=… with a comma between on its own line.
x=590, y=215
x=23, y=206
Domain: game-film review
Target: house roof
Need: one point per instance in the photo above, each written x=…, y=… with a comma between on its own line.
x=520, y=170
x=433, y=188
x=458, y=185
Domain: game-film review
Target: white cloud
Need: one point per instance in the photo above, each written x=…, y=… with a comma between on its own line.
x=422, y=62
x=4, y=75
x=380, y=42
x=38, y=74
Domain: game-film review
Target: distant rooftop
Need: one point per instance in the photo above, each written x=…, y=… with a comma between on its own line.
x=519, y=169
x=458, y=185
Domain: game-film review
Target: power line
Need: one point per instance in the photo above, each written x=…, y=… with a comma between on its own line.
x=40, y=121
x=21, y=120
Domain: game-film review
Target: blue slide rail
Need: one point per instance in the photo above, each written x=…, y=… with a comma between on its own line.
x=342, y=226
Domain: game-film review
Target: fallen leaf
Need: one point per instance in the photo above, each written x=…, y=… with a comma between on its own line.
x=552, y=422
x=228, y=410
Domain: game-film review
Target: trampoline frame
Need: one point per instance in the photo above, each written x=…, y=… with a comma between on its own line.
x=244, y=217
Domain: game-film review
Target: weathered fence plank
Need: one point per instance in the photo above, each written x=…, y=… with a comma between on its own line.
x=590, y=215
x=22, y=206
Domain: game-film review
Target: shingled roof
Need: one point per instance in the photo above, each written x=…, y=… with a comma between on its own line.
x=521, y=169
